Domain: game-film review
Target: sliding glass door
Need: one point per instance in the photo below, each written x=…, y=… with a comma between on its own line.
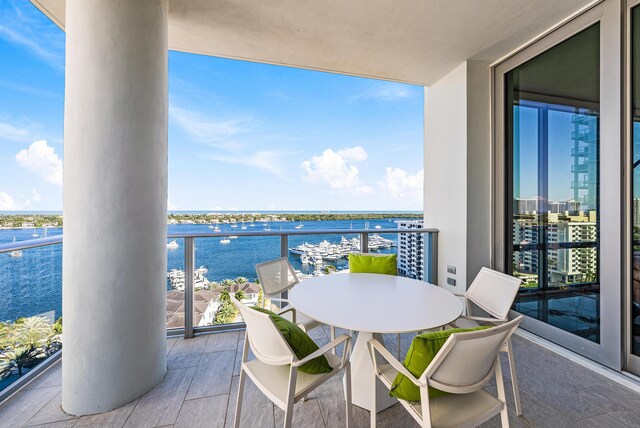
x=634, y=128
x=553, y=109
x=557, y=182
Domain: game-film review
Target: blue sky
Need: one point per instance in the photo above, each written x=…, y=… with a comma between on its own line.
x=242, y=136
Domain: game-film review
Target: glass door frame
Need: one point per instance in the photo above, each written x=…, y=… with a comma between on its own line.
x=631, y=361
x=608, y=13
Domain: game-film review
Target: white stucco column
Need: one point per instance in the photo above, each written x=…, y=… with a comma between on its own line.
x=115, y=197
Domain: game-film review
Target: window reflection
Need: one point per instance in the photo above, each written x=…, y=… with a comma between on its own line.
x=553, y=140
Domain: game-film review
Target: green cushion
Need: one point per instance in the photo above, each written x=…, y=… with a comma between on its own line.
x=301, y=344
x=369, y=263
x=424, y=348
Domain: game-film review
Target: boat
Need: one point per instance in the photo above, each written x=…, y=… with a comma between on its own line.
x=225, y=241
x=299, y=226
x=252, y=225
x=44, y=233
x=267, y=228
x=304, y=259
x=233, y=237
x=243, y=226
x=234, y=224
x=378, y=226
x=172, y=245
x=35, y=233
x=17, y=253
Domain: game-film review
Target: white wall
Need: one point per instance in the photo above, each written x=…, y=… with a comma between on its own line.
x=457, y=170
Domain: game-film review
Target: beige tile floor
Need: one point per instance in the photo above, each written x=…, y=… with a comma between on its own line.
x=200, y=387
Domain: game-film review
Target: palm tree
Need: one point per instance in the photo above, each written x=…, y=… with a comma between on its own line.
x=25, y=344
x=19, y=358
x=241, y=280
x=227, y=282
x=241, y=295
x=31, y=332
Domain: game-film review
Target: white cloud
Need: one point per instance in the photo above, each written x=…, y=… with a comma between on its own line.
x=336, y=169
x=9, y=203
x=10, y=132
x=205, y=129
x=387, y=91
x=35, y=195
x=398, y=184
x=41, y=159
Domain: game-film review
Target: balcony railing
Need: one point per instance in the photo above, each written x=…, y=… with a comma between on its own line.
x=189, y=264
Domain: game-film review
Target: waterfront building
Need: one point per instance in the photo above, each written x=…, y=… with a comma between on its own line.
x=411, y=250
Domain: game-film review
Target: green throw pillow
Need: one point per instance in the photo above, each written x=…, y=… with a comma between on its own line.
x=369, y=263
x=423, y=349
x=301, y=344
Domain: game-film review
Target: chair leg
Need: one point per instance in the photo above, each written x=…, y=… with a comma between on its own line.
x=399, y=347
x=236, y=422
x=291, y=391
x=374, y=401
x=347, y=393
x=504, y=414
x=332, y=334
x=514, y=378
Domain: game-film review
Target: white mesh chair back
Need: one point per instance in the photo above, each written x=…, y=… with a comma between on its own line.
x=276, y=276
x=265, y=339
x=466, y=361
x=493, y=292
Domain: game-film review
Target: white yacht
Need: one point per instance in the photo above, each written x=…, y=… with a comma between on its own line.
x=299, y=226
x=304, y=259
x=243, y=226
x=172, y=245
x=225, y=241
x=35, y=233
x=17, y=253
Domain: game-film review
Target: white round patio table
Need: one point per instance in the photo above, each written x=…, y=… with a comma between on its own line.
x=372, y=304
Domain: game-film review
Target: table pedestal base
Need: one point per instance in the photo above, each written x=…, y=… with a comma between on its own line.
x=362, y=376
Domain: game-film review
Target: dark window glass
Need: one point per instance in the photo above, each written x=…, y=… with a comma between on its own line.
x=552, y=135
x=635, y=131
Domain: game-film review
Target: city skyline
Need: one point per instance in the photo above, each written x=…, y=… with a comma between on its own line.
x=242, y=136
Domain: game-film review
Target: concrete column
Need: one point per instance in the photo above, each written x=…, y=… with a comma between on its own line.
x=457, y=180
x=115, y=197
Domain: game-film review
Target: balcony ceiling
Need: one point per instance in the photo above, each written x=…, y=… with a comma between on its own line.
x=415, y=41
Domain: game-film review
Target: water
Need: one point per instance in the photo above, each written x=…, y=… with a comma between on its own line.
x=32, y=284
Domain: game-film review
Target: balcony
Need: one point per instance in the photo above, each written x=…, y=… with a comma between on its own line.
x=114, y=314
x=200, y=390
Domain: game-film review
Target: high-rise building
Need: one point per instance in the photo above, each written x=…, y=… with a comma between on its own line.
x=571, y=265
x=411, y=250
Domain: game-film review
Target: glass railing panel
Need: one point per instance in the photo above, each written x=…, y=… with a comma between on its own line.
x=226, y=265
x=30, y=308
x=175, y=283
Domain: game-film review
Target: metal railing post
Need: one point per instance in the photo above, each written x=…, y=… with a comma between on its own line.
x=432, y=245
x=189, y=273
x=364, y=242
x=284, y=252
x=284, y=245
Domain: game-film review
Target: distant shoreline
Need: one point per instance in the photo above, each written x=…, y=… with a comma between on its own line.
x=52, y=221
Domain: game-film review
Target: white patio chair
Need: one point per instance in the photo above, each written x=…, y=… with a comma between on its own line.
x=464, y=364
x=493, y=293
x=276, y=277
x=275, y=369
